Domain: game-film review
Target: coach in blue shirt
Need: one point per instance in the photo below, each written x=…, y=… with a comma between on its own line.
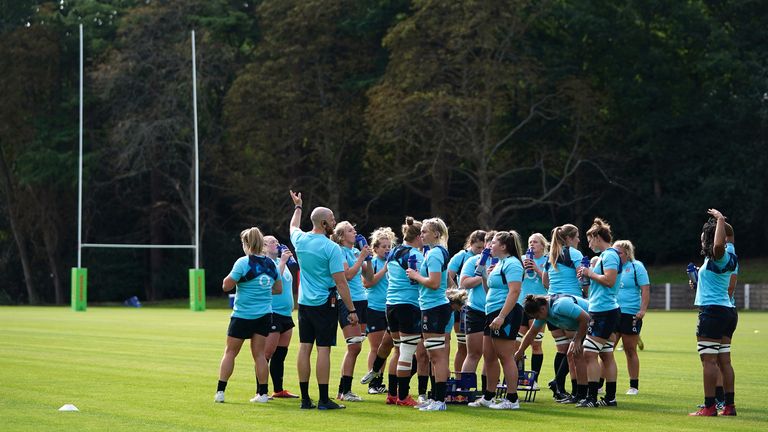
x=321, y=277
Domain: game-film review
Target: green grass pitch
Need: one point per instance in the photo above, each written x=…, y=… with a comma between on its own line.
x=155, y=369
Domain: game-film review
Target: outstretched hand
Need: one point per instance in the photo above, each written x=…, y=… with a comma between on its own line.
x=296, y=197
x=715, y=214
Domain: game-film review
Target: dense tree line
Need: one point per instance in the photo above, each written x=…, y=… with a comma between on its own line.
x=510, y=114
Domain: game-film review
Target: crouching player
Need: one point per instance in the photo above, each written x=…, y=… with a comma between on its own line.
x=568, y=313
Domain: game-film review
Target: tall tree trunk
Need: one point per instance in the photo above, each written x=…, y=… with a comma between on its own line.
x=18, y=236
x=51, y=244
x=439, y=187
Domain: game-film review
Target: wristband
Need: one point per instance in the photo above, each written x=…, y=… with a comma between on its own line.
x=351, y=312
x=298, y=207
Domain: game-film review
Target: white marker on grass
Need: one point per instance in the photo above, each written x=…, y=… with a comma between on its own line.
x=68, y=407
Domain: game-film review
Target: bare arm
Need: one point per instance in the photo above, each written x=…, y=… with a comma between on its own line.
x=732, y=284
x=527, y=341
x=545, y=279
x=228, y=284
x=368, y=283
x=451, y=279
x=606, y=280
x=645, y=300
x=296, y=218
x=718, y=249
x=509, y=303
x=277, y=287
x=431, y=282
x=343, y=289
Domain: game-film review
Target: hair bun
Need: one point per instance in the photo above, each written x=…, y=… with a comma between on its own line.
x=409, y=220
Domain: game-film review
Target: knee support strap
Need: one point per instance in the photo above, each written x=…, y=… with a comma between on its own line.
x=407, y=351
x=461, y=338
x=540, y=336
x=355, y=340
x=591, y=345
x=396, y=343
x=608, y=347
x=707, y=347
x=562, y=340
x=724, y=348
x=434, y=343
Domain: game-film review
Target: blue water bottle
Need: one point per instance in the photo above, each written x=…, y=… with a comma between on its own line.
x=529, y=255
x=693, y=274
x=585, y=279
x=360, y=243
x=483, y=260
x=282, y=248
x=412, y=261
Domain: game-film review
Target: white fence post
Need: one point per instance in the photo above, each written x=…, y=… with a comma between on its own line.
x=668, y=296
x=746, y=296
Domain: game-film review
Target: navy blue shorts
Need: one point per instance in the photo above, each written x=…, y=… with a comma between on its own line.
x=511, y=326
x=716, y=322
x=281, y=323
x=404, y=318
x=604, y=324
x=474, y=321
x=629, y=325
x=242, y=328
x=434, y=320
x=361, y=310
x=376, y=321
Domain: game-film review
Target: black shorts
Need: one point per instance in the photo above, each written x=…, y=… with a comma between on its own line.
x=361, y=310
x=281, y=323
x=552, y=327
x=604, y=324
x=629, y=325
x=434, y=320
x=511, y=326
x=377, y=321
x=242, y=328
x=404, y=318
x=716, y=322
x=474, y=322
x=317, y=324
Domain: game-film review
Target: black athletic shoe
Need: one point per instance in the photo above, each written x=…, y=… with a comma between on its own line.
x=307, y=404
x=569, y=400
x=559, y=397
x=553, y=386
x=603, y=402
x=329, y=405
x=586, y=403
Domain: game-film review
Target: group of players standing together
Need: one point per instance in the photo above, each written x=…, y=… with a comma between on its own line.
x=494, y=294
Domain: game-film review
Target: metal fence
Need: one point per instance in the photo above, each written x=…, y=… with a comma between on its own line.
x=680, y=296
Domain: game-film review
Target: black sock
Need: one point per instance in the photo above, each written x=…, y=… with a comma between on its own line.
x=392, y=385
x=323, y=390
x=729, y=398
x=582, y=392
x=610, y=390
x=414, y=366
x=592, y=387
x=432, y=383
x=558, y=359
x=720, y=393
x=709, y=402
x=341, y=385
x=574, y=387
x=438, y=391
x=347, y=383
x=277, y=367
x=484, y=382
x=423, y=382
x=379, y=363
x=222, y=386
x=304, y=387
x=634, y=383
x=488, y=395
x=376, y=382
x=601, y=382
x=536, y=361
x=561, y=374
x=403, y=387
x=262, y=389
x=512, y=397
